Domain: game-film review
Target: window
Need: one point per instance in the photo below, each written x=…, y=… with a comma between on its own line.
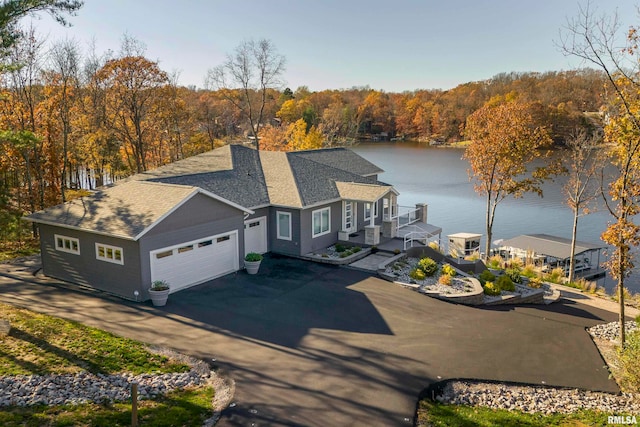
x=367, y=211
x=109, y=253
x=321, y=221
x=185, y=249
x=164, y=254
x=284, y=225
x=205, y=243
x=223, y=238
x=67, y=244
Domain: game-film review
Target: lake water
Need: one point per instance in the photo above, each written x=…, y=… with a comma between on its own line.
x=438, y=176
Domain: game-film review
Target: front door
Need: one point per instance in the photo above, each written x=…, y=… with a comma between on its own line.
x=349, y=217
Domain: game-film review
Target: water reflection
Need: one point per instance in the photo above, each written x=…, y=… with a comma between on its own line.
x=438, y=176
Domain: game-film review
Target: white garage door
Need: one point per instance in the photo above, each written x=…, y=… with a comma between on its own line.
x=195, y=262
x=255, y=235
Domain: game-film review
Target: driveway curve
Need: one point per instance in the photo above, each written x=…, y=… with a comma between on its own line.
x=310, y=344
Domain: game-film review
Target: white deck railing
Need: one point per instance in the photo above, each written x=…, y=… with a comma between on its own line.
x=405, y=215
x=417, y=235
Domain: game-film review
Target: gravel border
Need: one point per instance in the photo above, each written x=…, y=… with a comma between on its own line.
x=543, y=399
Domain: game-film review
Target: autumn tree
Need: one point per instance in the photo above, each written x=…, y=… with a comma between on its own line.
x=132, y=99
x=582, y=163
x=595, y=39
x=246, y=77
x=505, y=139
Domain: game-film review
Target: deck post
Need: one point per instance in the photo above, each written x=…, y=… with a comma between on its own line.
x=422, y=212
x=390, y=228
x=372, y=235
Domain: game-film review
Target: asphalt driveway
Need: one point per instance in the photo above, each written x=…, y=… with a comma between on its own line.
x=310, y=344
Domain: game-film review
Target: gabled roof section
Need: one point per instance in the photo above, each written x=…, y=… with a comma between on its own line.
x=343, y=159
x=316, y=182
x=127, y=210
x=281, y=184
x=358, y=192
x=235, y=175
x=219, y=159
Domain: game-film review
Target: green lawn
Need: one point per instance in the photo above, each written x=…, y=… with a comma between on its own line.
x=39, y=344
x=437, y=415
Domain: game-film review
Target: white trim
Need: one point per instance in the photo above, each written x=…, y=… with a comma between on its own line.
x=313, y=228
x=367, y=206
x=72, y=241
x=354, y=215
x=264, y=238
x=172, y=248
x=113, y=259
x=279, y=235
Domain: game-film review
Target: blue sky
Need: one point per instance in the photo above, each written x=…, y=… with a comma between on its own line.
x=392, y=45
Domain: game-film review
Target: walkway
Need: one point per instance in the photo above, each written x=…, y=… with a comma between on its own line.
x=310, y=344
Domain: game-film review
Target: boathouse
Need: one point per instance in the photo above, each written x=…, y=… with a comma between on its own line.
x=550, y=252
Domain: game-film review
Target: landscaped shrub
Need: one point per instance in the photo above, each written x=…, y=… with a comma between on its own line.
x=630, y=361
x=434, y=246
x=529, y=271
x=504, y=283
x=491, y=289
x=428, y=266
x=486, y=276
x=473, y=257
x=448, y=270
x=396, y=251
x=340, y=247
x=514, y=274
x=345, y=254
x=445, y=279
x=495, y=262
x=535, y=282
x=417, y=274
x=555, y=276
x=356, y=249
x=516, y=263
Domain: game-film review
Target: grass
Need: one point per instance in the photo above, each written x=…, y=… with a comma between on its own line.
x=10, y=250
x=438, y=415
x=39, y=344
x=179, y=408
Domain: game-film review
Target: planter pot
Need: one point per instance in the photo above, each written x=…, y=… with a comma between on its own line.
x=159, y=298
x=252, y=266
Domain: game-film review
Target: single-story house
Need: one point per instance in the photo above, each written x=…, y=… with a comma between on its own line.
x=194, y=220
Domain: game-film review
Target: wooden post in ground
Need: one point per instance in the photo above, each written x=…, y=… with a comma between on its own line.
x=134, y=404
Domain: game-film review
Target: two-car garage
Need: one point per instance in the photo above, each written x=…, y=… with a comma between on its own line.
x=194, y=262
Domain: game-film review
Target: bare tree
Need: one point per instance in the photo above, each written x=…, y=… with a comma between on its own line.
x=64, y=76
x=582, y=163
x=596, y=40
x=246, y=75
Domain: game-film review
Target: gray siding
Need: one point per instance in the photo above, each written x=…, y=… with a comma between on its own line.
x=307, y=242
x=199, y=217
x=86, y=269
x=286, y=247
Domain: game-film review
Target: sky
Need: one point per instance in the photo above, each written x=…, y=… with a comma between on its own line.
x=392, y=45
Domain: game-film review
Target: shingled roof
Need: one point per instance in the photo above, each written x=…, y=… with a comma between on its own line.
x=253, y=179
x=234, y=174
x=125, y=210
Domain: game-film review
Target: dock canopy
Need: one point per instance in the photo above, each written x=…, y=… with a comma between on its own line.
x=553, y=246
